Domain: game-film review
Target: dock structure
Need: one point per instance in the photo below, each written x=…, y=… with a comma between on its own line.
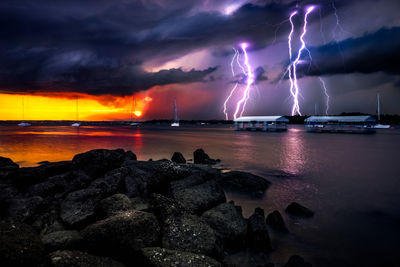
x=261, y=123
x=340, y=124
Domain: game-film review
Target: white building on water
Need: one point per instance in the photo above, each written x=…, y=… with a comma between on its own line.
x=261, y=123
x=340, y=124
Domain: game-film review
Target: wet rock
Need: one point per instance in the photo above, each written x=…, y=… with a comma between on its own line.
x=161, y=257
x=229, y=224
x=246, y=183
x=165, y=207
x=139, y=203
x=257, y=232
x=123, y=234
x=55, y=168
x=275, y=220
x=201, y=157
x=7, y=193
x=65, y=258
x=190, y=233
x=24, y=209
x=177, y=157
x=201, y=197
x=297, y=261
x=80, y=207
x=61, y=240
x=98, y=161
x=192, y=180
x=247, y=258
x=298, y=210
x=115, y=204
x=129, y=155
x=112, y=183
x=19, y=245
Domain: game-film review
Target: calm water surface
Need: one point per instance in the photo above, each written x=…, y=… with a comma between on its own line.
x=352, y=182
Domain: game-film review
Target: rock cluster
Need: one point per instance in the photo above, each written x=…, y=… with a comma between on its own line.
x=105, y=208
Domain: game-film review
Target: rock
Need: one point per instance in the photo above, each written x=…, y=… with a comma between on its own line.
x=165, y=207
x=190, y=233
x=152, y=177
x=298, y=210
x=200, y=157
x=257, y=232
x=177, y=157
x=297, y=261
x=8, y=169
x=7, y=193
x=115, y=204
x=245, y=183
x=275, y=220
x=65, y=258
x=24, y=209
x=192, y=180
x=112, y=183
x=80, y=207
x=61, y=240
x=129, y=155
x=99, y=161
x=55, y=168
x=201, y=197
x=139, y=203
x=19, y=245
x=122, y=234
x=247, y=258
x=161, y=257
x=229, y=223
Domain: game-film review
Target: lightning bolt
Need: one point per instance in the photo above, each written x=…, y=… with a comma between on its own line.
x=326, y=95
x=294, y=87
x=249, y=82
x=235, y=56
x=289, y=70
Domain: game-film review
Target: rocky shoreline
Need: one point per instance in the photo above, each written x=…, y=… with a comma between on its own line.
x=106, y=208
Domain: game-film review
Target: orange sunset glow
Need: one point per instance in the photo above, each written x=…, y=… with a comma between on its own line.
x=62, y=106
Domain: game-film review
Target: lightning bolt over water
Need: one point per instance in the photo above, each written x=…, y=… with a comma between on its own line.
x=295, y=89
x=326, y=95
x=289, y=70
x=249, y=82
x=235, y=56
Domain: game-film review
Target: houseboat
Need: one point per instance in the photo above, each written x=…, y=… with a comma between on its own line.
x=340, y=124
x=261, y=123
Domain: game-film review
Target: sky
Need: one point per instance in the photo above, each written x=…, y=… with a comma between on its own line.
x=123, y=59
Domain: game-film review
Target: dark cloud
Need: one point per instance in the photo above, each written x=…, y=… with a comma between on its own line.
x=376, y=52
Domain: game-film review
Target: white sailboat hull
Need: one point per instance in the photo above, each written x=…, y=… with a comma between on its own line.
x=175, y=124
x=76, y=124
x=382, y=126
x=24, y=124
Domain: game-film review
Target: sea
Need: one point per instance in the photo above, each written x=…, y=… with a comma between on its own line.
x=350, y=181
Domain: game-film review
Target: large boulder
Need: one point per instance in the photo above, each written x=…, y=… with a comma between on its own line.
x=161, y=257
x=297, y=261
x=80, y=207
x=61, y=240
x=229, y=224
x=298, y=210
x=190, y=233
x=115, y=204
x=99, y=161
x=177, y=157
x=8, y=169
x=165, y=207
x=112, y=183
x=201, y=197
x=245, y=183
x=275, y=221
x=150, y=177
x=257, y=232
x=7, y=193
x=201, y=157
x=19, y=245
x=65, y=258
x=123, y=234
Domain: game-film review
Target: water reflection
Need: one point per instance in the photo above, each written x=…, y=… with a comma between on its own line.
x=293, y=156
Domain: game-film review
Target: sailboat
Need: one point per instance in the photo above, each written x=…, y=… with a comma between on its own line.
x=380, y=126
x=133, y=123
x=76, y=124
x=23, y=124
x=175, y=123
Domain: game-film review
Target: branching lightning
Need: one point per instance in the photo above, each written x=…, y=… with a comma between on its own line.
x=249, y=81
x=294, y=86
x=235, y=56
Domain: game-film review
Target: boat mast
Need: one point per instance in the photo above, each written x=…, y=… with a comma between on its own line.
x=379, y=107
